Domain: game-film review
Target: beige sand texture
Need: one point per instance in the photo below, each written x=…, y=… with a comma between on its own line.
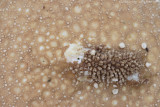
x=35, y=34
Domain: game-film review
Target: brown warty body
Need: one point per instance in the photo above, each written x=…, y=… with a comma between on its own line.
x=109, y=65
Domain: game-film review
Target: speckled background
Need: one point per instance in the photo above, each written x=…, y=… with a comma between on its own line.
x=34, y=34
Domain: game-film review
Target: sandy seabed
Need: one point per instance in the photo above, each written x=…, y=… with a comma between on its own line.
x=35, y=34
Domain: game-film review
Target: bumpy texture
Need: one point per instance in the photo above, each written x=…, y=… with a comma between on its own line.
x=108, y=65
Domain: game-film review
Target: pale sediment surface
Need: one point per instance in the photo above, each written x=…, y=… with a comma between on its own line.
x=35, y=34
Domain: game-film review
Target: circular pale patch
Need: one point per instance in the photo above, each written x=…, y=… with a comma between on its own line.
x=77, y=9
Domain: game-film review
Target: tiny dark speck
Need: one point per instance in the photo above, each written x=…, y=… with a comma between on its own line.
x=49, y=80
x=43, y=7
x=78, y=58
x=147, y=49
